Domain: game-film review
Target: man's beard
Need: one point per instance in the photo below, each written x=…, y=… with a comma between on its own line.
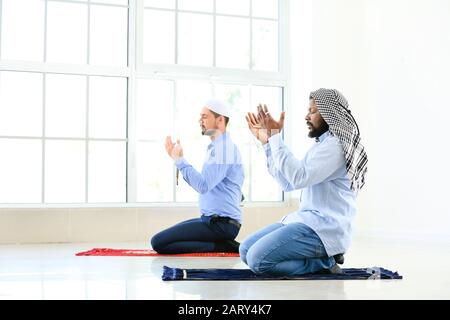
x=208, y=132
x=317, y=132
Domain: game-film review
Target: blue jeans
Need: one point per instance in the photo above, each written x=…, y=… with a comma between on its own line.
x=194, y=235
x=291, y=250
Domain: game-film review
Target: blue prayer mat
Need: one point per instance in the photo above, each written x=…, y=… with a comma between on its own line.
x=246, y=274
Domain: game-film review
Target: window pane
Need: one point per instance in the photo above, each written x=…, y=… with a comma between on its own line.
x=65, y=108
x=265, y=8
x=169, y=4
x=21, y=103
x=233, y=37
x=271, y=96
x=239, y=7
x=159, y=36
x=108, y=37
x=67, y=32
x=107, y=171
x=195, y=39
x=196, y=5
x=263, y=185
x=22, y=28
x=20, y=171
x=65, y=171
x=265, y=45
x=191, y=97
x=154, y=173
x=238, y=98
x=107, y=107
x=154, y=116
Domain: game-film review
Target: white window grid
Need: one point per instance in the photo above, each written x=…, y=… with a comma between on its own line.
x=137, y=69
x=45, y=137
x=216, y=73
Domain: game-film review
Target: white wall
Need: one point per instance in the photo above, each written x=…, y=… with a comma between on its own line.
x=391, y=58
x=111, y=224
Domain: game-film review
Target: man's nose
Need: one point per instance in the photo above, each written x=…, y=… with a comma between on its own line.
x=307, y=116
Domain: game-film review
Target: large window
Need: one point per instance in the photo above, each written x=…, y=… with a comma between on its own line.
x=89, y=90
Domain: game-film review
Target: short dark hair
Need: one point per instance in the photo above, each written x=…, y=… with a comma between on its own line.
x=216, y=115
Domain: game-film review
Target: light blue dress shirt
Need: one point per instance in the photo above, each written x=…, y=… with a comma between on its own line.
x=220, y=182
x=327, y=204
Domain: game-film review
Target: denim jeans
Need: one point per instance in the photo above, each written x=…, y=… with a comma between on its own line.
x=194, y=235
x=278, y=249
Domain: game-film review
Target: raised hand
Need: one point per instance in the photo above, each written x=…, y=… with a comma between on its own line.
x=174, y=150
x=266, y=120
x=255, y=128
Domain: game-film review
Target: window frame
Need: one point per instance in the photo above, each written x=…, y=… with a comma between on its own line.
x=169, y=71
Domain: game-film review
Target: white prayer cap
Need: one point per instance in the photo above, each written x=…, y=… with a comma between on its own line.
x=219, y=107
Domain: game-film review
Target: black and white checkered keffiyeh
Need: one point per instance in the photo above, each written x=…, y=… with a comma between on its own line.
x=334, y=109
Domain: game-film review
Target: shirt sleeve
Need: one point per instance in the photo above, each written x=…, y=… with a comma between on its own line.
x=316, y=167
x=212, y=174
x=274, y=172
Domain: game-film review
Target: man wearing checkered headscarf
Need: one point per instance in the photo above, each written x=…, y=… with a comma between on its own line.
x=315, y=237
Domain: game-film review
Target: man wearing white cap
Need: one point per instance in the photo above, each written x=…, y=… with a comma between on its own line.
x=219, y=185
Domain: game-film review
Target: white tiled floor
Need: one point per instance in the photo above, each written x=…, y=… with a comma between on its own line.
x=54, y=272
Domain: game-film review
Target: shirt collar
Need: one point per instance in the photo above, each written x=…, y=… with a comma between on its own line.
x=323, y=136
x=218, y=139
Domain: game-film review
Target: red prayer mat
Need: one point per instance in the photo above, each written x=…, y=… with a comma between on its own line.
x=149, y=253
